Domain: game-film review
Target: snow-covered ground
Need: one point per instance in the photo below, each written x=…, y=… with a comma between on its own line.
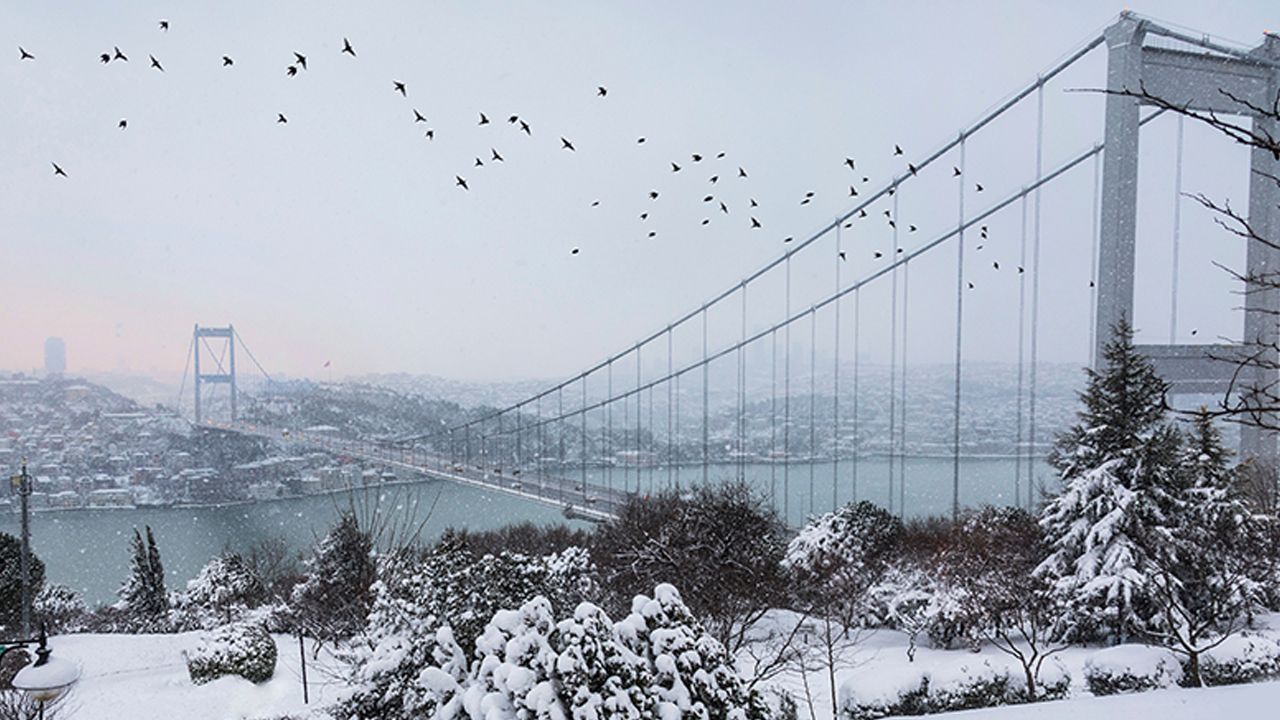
x=144, y=677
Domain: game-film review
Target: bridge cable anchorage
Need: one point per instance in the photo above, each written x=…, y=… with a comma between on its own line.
x=960, y=285
x=869, y=200
x=1177, y=232
x=835, y=389
x=1035, y=298
x=1022, y=326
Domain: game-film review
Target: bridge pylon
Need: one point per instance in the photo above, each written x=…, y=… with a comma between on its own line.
x=224, y=375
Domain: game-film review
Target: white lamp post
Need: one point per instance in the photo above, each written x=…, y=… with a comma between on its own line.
x=46, y=679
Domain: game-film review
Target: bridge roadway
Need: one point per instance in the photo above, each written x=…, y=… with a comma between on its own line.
x=577, y=500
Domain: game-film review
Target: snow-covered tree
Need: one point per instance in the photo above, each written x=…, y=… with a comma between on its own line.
x=11, y=580
x=515, y=667
x=1209, y=577
x=143, y=597
x=59, y=609
x=600, y=678
x=333, y=602
x=224, y=589
x=1119, y=470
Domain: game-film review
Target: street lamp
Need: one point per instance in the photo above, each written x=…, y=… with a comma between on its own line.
x=46, y=679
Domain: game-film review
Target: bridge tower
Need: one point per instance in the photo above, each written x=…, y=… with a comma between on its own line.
x=224, y=375
x=1196, y=79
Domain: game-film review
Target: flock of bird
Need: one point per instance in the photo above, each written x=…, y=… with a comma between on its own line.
x=711, y=200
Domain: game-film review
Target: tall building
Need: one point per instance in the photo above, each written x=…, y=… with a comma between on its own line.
x=55, y=356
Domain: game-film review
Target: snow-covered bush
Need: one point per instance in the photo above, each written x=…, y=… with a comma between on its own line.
x=244, y=649
x=911, y=691
x=59, y=609
x=223, y=590
x=599, y=677
x=1241, y=659
x=1131, y=668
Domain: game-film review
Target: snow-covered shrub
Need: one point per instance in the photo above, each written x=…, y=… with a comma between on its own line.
x=912, y=691
x=1131, y=668
x=854, y=542
x=243, y=649
x=599, y=677
x=223, y=590
x=1241, y=659
x=1053, y=682
x=513, y=676
x=59, y=609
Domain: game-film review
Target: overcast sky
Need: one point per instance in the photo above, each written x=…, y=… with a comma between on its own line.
x=341, y=236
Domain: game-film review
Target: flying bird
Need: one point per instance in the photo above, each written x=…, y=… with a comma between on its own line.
x=573, y=251
x=301, y=59
x=653, y=194
x=849, y=161
x=754, y=203
x=892, y=224
x=713, y=179
x=724, y=208
x=879, y=254
x=397, y=86
x=525, y=127
x=292, y=70
x=706, y=221
x=911, y=228
x=708, y=198
x=601, y=91
x=566, y=145
x=970, y=286
x=24, y=55
x=675, y=167
x=841, y=254
x=513, y=119
x=862, y=213
x=417, y=116
x=911, y=168
x=995, y=265
x=979, y=185
x=696, y=157
x=461, y=182
x=479, y=162
x=853, y=191
x=1193, y=332
x=809, y=194
x=280, y=118
x=164, y=25
x=788, y=239
x=105, y=58
x=227, y=61
x=484, y=119
x=955, y=171
x=496, y=156
x=644, y=216
x=639, y=141
x=897, y=150
x=431, y=134
x=806, y=201
x=156, y=63
x=123, y=123
x=57, y=170
x=742, y=173
x=720, y=155
x=118, y=55
x=1020, y=269
x=653, y=233
x=755, y=223
x=346, y=47
x=595, y=203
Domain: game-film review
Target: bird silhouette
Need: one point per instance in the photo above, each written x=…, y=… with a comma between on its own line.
x=849, y=161
x=1193, y=332
x=788, y=239
x=742, y=173
x=595, y=203
x=280, y=118
x=644, y=216
x=123, y=124
x=911, y=168
x=525, y=127
x=156, y=63
x=853, y=191
x=346, y=47
x=708, y=198
x=24, y=55
x=601, y=91
x=675, y=167
x=897, y=150
x=879, y=254
x=706, y=221
x=724, y=208
x=911, y=228
x=430, y=134
x=955, y=171
x=809, y=194
x=397, y=86
x=301, y=59
x=842, y=256
x=653, y=233
x=639, y=141
x=57, y=170
x=1020, y=269
x=417, y=116
x=164, y=25
x=227, y=61
x=566, y=145
x=892, y=224
x=806, y=201
x=484, y=119
x=970, y=286
x=496, y=156
x=713, y=179
x=479, y=163
x=995, y=265
x=461, y=182
x=755, y=223
x=696, y=157
x=979, y=186
x=888, y=214
x=573, y=251
x=1090, y=283
x=653, y=194
x=513, y=119
x=291, y=70
x=980, y=247
x=862, y=213
x=105, y=58
x=754, y=203
x=720, y=156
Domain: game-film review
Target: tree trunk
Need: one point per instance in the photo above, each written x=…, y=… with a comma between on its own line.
x=1193, y=678
x=1031, y=682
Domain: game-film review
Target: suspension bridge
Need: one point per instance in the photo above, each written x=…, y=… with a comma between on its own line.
x=733, y=388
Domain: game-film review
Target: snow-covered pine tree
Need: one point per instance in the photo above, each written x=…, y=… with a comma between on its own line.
x=333, y=601
x=11, y=581
x=694, y=676
x=1119, y=470
x=143, y=596
x=224, y=589
x=513, y=676
x=1210, y=575
x=599, y=677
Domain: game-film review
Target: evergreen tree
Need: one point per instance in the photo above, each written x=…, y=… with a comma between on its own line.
x=1119, y=470
x=11, y=581
x=1210, y=575
x=599, y=677
x=333, y=601
x=225, y=588
x=142, y=596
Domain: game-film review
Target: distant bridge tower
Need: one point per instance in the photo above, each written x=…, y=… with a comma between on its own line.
x=224, y=375
x=1198, y=80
